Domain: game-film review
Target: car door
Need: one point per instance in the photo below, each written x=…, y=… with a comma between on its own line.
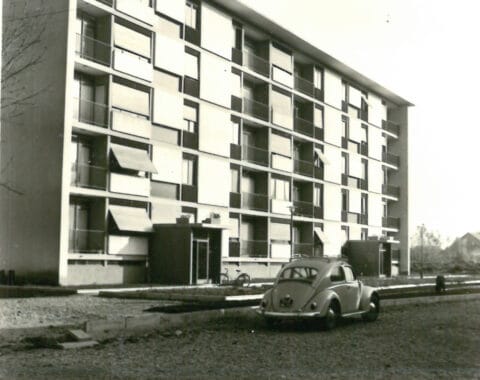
x=352, y=293
x=339, y=286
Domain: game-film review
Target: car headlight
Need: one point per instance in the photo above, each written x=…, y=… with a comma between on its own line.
x=313, y=305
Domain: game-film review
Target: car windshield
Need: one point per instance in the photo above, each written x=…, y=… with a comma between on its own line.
x=299, y=273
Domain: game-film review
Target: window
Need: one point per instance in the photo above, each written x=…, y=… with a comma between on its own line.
x=318, y=117
x=345, y=163
x=234, y=186
x=191, y=14
x=164, y=190
x=349, y=276
x=365, y=169
x=189, y=171
x=191, y=65
x=280, y=189
x=364, y=234
x=318, y=78
x=385, y=176
x=345, y=234
x=344, y=127
x=337, y=275
x=190, y=117
x=344, y=200
x=280, y=144
x=317, y=196
x=364, y=134
x=345, y=91
x=296, y=193
x=237, y=37
x=364, y=204
x=235, y=139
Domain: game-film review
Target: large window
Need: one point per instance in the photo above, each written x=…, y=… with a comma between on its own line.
x=235, y=184
x=318, y=78
x=317, y=196
x=191, y=65
x=235, y=137
x=318, y=117
x=190, y=116
x=189, y=170
x=164, y=190
x=280, y=189
x=344, y=200
x=191, y=14
x=345, y=163
x=345, y=234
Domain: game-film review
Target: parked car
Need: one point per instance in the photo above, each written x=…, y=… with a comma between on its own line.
x=321, y=288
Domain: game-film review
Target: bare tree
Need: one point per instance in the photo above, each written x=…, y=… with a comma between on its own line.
x=23, y=48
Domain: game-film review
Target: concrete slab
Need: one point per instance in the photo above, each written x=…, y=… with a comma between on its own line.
x=79, y=335
x=75, y=345
x=104, y=325
x=149, y=321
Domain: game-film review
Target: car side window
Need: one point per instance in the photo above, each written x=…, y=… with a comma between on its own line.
x=337, y=274
x=349, y=276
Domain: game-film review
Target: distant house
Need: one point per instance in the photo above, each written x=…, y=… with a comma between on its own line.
x=465, y=248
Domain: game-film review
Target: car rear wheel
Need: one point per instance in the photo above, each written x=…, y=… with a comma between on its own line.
x=374, y=309
x=331, y=318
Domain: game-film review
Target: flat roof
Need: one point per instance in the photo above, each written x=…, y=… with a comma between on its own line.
x=283, y=35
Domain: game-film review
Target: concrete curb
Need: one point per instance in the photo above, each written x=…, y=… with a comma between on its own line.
x=428, y=299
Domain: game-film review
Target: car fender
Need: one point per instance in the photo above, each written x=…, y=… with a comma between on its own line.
x=323, y=300
x=367, y=293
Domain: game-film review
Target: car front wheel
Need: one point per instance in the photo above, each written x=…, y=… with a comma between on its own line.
x=374, y=309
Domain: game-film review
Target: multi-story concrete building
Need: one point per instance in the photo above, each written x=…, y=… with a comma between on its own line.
x=197, y=129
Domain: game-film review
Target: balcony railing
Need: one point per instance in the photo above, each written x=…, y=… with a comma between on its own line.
x=393, y=191
x=189, y=193
x=254, y=201
x=303, y=208
x=319, y=133
x=304, y=85
x=390, y=158
x=235, y=199
x=89, y=112
x=86, y=241
x=256, y=109
x=254, y=248
x=363, y=219
x=190, y=140
x=302, y=167
x=236, y=151
x=350, y=217
x=319, y=172
x=390, y=222
x=303, y=126
x=256, y=63
x=255, y=155
x=391, y=127
x=318, y=212
x=302, y=249
x=237, y=56
x=89, y=176
x=93, y=49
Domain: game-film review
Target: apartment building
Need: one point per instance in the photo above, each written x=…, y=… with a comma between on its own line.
x=172, y=139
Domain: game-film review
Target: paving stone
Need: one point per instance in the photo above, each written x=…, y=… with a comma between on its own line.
x=79, y=335
x=75, y=345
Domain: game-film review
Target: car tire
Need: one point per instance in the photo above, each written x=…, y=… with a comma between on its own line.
x=330, y=320
x=373, y=309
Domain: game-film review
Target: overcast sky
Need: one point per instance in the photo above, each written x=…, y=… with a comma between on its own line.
x=427, y=52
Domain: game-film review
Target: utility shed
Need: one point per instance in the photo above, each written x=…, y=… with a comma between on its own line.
x=186, y=254
x=369, y=257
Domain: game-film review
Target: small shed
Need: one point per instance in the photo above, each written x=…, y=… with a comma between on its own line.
x=369, y=257
x=187, y=253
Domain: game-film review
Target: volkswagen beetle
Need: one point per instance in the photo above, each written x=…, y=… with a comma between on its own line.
x=325, y=289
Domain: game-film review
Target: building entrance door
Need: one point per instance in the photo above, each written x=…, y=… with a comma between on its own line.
x=201, y=261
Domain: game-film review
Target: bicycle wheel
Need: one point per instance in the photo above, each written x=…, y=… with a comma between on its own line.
x=243, y=280
x=224, y=280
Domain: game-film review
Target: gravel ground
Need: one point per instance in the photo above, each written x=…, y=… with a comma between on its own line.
x=415, y=341
x=53, y=311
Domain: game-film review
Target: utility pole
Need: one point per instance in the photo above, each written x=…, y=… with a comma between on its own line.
x=422, y=231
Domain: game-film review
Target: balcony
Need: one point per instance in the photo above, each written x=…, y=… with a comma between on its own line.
x=93, y=50
x=189, y=193
x=88, y=176
x=237, y=56
x=390, y=222
x=254, y=248
x=304, y=86
x=393, y=191
x=350, y=217
x=302, y=167
x=235, y=200
x=302, y=249
x=89, y=112
x=391, y=159
x=303, y=208
x=256, y=109
x=191, y=86
x=233, y=248
x=190, y=140
x=391, y=127
x=86, y=241
x=254, y=201
x=256, y=63
x=255, y=155
x=303, y=126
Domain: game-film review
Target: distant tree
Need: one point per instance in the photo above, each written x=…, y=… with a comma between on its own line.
x=426, y=250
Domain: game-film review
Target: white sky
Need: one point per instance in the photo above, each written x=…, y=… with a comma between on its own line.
x=427, y=52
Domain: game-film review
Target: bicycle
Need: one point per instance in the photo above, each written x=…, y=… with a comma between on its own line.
x=242, y=279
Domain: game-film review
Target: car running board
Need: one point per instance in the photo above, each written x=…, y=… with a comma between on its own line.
x=356, y=313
